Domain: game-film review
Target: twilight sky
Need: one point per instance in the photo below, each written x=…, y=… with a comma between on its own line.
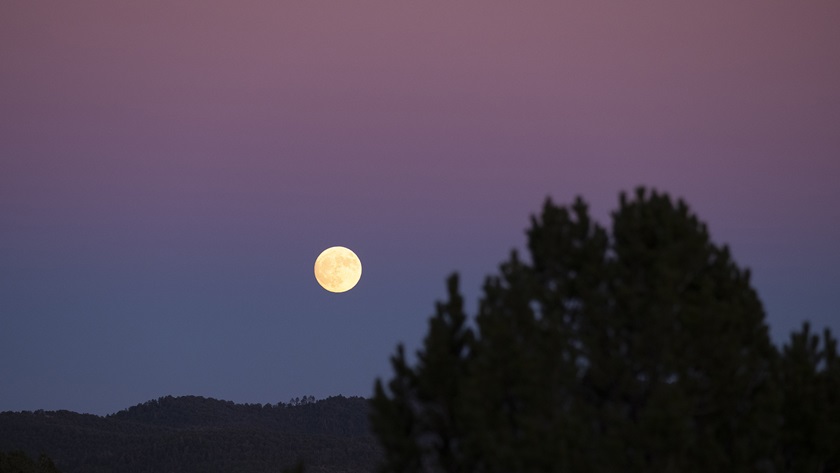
x=170, y=170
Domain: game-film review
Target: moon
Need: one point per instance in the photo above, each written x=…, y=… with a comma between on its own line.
x=338, y=269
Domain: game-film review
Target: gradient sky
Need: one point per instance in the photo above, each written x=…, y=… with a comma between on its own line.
x=170, y=170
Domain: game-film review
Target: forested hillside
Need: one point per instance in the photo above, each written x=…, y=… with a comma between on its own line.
x=196, y=434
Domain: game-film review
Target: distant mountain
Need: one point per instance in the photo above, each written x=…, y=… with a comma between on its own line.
x=196, y=434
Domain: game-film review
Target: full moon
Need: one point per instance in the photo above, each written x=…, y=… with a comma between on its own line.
x=337, y=269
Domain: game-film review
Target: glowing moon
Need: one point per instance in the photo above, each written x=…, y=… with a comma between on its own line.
x=338, y=269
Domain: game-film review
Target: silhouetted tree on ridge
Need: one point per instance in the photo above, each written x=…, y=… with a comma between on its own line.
x=638, y=348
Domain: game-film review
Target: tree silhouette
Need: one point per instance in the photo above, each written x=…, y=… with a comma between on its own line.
x=810, y=380
x=641, y=348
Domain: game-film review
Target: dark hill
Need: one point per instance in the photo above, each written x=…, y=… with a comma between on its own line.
x=197, y=434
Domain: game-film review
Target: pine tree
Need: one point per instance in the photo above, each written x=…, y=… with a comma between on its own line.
x=420, y=426
x=642, y=348
x=810, y=379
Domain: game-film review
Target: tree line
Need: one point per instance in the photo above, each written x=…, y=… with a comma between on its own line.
x=197, y=434
x=639, y=347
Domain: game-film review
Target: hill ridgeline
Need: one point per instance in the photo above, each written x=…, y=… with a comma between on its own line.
x=196, y=434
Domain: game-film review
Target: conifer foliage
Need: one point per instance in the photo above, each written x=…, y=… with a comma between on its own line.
x=638, y=348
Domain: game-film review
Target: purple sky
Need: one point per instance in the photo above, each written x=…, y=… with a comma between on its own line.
x=170, y=170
